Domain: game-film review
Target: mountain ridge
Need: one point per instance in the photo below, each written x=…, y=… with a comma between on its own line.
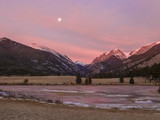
x=17, y=58
x=38, y=59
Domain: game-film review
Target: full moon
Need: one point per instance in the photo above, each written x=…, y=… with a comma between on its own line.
x=59, y=19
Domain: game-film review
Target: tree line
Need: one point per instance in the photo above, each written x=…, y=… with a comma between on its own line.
x=149, y=73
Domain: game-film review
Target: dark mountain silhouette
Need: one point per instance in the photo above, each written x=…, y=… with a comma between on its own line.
x=19, y=59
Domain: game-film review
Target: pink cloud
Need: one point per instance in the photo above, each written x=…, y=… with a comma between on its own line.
x=87, y=28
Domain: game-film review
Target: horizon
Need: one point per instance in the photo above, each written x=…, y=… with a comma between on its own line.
x=82, y=30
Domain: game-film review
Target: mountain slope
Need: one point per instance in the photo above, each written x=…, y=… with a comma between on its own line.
x=143, y=49
x=16, y=58
x=117, y=53
x=107, y=66
x=117, y=61
x=80, y=63
x=106, y=62
x=62, y=58
x=142, y=60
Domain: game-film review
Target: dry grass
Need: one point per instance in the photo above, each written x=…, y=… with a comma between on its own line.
x=51, y=80
x=39, y=79
x=28, y=110
x=137, y=80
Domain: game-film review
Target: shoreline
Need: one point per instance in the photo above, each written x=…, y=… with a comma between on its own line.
x=73, y=106
x=22, y=97
x=73, y=84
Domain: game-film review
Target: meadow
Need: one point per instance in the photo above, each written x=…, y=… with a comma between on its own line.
x=66, y=80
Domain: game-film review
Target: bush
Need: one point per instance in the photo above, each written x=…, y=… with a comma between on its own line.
x=78, y=79
x=25, y=81
x=131, y=80
x=58, y=102
x=121, y=80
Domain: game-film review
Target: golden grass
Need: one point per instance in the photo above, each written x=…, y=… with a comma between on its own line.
x=68, y=80
x=29, y=110
x=39, y=79
x=137, y=80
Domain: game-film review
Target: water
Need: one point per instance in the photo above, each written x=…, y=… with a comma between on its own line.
x=122, y=97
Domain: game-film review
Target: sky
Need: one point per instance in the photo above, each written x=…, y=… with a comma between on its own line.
x=88, y=27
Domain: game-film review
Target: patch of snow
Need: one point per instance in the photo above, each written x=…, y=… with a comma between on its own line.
x=143, y=49
x=3, y=93
x=61, y=58
x=76, y=104
x=61, y=91
x=118, y=95
x=80, y=63
x=143, y=102
x=68, y=91
x=43, y=48
x=116, y=52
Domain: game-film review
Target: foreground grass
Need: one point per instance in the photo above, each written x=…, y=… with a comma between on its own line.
x=28, y=110
x=66, y=80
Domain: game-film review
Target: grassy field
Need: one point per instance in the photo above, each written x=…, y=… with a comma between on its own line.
x=28, y=110
x=53, y=80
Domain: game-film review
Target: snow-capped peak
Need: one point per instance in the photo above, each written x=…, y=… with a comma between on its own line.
x=43, y=48
x=143, y=49
x=80, y=63
x=116, y=52
x=62, y=58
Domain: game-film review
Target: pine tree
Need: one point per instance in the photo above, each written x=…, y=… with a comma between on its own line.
x=131, y=80
x=87, y=80
x=78, y=79
x=121, y=80
x=90, y=80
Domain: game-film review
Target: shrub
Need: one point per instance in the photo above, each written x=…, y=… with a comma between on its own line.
x=78, y=79
x=131, y=80
x=25, y=81
x=58, y=102
x=49, y=101
x=121, y=80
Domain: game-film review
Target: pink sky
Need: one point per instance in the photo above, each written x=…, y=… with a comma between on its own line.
x=88, y=27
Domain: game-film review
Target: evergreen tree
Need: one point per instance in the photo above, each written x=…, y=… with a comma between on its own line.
x=121, y=80
x=87, y=80
x=131, y=80
x=78, y=79
x=90, y=80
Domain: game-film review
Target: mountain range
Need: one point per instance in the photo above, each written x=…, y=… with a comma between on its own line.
x=34, y=59
x=117, y=61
